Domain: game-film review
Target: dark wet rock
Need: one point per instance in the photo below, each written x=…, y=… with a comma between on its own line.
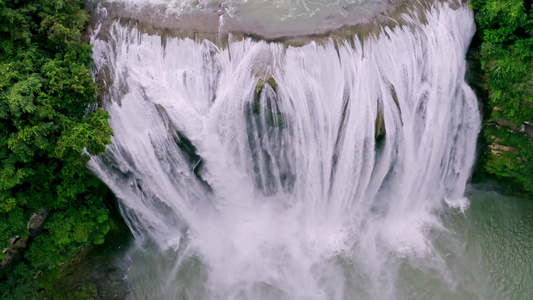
x=506, y=123
x=96, y=277
x=525, y=128
x=112, y=283
x=528, y=130
x=14, y=252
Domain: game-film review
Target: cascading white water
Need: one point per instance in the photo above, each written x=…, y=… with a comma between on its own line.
x=281, y=172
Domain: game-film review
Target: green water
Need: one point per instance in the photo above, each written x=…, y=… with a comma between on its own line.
x=495, y=237
x=484, y=253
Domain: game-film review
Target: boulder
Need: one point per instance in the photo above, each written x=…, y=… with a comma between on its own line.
x=35, y=225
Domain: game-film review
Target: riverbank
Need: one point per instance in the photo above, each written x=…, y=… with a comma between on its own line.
x=501, y=73
x=99, y=272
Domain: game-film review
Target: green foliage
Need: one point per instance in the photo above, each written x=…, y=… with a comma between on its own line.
x=507, y=57
x=69, y=232
x=87, y=291
x=13, y=224
x=48, y=125
x=79, y=225
x=505, y=30
x=93, y=133
x=44, y=253
x=19, y=284
x=509, y=157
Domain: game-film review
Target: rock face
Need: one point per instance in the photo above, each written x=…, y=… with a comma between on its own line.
x=14, y=252
x=526, y=128
x=18, y=245
x=93, y=274
x=114, y=284
x=99, y=277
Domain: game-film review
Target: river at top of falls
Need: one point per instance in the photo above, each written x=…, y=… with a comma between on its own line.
x=258, y=170
x=267, y=18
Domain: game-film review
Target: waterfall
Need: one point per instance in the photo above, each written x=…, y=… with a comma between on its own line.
x=268, y=171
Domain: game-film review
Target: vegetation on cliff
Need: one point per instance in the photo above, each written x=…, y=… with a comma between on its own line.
x=49, y=123
x=505, y=56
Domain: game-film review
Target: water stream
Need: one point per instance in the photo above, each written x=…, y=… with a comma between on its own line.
x=333, y=170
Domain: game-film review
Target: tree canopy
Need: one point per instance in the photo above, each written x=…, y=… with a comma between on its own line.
x=505, y=29
x=49, y=124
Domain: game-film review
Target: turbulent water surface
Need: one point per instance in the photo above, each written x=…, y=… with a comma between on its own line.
x=333, y=170
x=264, y=17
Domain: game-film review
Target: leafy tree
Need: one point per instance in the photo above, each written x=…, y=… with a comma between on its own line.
x=505, y=29
x=20, y=284
x=49, y=124
x=506, y=56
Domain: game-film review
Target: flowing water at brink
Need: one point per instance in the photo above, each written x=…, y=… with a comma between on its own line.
x=335, y=170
